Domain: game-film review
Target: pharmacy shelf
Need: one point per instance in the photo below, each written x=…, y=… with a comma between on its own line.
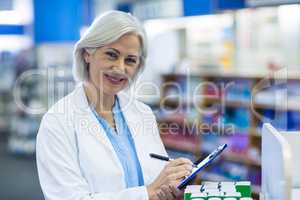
x=174, y=102
x=175, y=119
x=290, y=107
x=240, y=158
x=192, y=125
x=236, y=99
x=291, y=76
x=180, y=142
x=232, y=104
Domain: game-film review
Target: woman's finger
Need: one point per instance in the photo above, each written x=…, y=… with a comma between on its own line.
x=180, y=161
x=173, y=170
x=167, y=192
x=179, y=175
x=161, y=195
x=175, y=191
x=156, y=197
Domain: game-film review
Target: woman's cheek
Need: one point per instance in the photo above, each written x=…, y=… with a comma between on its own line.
x=96, y=77
x=132, y=73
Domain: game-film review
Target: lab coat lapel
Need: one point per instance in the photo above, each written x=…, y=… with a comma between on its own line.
x=86, y=119
x=134, y=120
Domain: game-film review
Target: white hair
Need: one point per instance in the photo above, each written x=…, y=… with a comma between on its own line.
x=106, y=29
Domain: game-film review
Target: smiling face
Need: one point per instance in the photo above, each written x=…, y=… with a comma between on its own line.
x=112, y=66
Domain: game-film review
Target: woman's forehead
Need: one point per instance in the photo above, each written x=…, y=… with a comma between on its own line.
x=129, y=43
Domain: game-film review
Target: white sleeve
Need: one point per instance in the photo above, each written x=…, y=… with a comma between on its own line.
x=59, y=172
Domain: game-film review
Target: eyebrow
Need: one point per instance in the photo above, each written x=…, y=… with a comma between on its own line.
x=133, y=56
x=114, y=50
x=117, y=51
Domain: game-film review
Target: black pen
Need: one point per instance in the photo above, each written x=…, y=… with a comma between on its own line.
x=198, y=161
x=165, y=158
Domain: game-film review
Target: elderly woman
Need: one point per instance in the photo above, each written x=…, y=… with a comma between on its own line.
x=95, y=142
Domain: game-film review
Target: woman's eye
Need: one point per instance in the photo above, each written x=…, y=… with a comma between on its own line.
x=112, y=55
x=131, y=61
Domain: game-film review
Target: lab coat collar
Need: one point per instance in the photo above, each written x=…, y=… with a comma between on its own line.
x=84, y=115
x=128, y=106
x=130, y=109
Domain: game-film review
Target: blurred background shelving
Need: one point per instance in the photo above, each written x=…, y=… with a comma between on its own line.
x=233, y=116
x=216, y=71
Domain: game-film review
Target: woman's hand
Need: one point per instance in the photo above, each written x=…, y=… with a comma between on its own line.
x=165, y=185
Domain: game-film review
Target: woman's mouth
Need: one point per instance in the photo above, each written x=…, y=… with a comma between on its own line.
x=115, y=79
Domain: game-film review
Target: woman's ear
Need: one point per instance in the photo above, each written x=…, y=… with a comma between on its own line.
x=86, y=56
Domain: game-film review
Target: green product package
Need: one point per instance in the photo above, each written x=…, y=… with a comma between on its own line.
x=236, y=195
x=199, y=196
x=215, y=194
x=194, y=196
x=244, y=187
x=187, y=196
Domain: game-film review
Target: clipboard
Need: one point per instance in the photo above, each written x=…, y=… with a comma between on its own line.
x=204, y=163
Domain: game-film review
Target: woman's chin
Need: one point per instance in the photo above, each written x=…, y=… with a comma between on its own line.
x=113, y=90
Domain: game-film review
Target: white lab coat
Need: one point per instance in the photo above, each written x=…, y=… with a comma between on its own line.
x=76, y=160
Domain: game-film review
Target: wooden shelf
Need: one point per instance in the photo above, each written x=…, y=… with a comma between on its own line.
x=255, y=135
x=176, y=102
x=256, y=189
x=280, y=108
x=253, y=132
x=237, y=104
x=230, y=104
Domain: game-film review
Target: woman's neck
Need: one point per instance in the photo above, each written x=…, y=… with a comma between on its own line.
x=102, y=102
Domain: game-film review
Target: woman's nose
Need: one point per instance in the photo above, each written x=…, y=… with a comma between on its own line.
x=120, y=65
